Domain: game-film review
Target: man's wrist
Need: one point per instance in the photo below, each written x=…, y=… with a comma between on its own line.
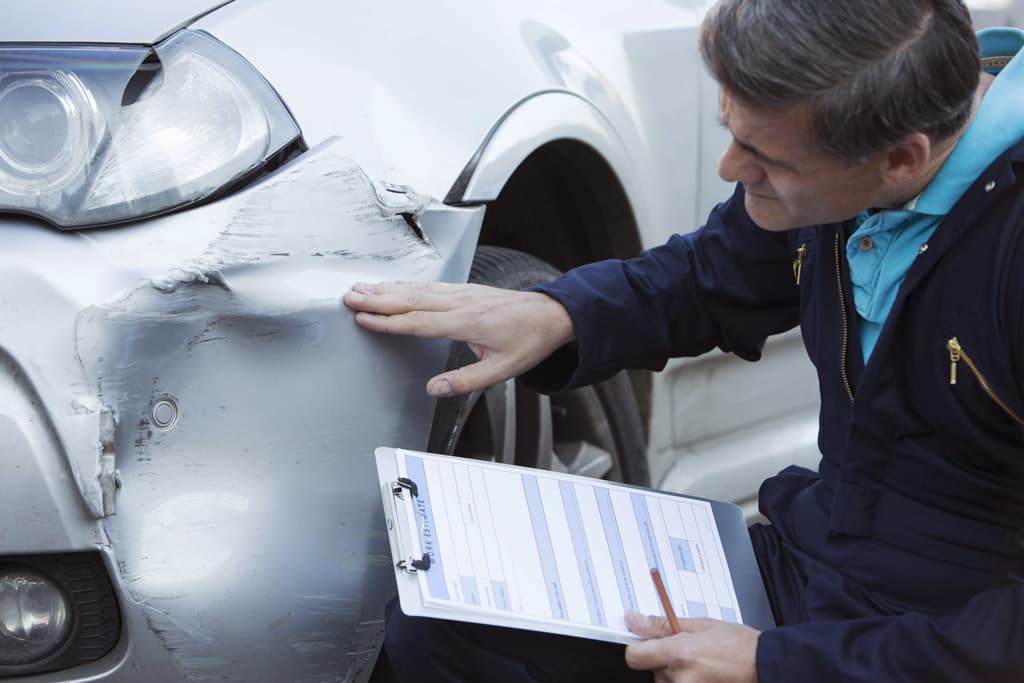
x=558, y=321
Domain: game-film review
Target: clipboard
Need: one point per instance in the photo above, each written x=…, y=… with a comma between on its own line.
x=417, y=549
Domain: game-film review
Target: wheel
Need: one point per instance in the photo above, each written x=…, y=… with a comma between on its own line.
x=593, y=431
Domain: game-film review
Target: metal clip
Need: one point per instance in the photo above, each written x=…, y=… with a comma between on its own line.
x=402, y=484
x=412, y=565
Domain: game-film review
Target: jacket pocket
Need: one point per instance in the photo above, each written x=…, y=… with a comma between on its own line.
x=960, y=362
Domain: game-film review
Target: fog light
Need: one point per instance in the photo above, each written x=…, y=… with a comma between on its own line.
x=33, y=617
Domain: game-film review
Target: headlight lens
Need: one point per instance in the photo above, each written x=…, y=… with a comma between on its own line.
x=92, y=136
x=33, y=617
x=44, y=135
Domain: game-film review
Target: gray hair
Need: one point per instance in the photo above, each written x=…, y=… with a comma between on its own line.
x=871, y=72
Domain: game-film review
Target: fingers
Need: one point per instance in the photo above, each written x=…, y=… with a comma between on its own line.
x=389, y=298
x=441, y=387
x=707, y=650
x=661, y=648
x=415, y=323
x=647, y=626
x=651, y=653
x=422, y=309
x=510, y=331
x=479, y=375
x=651, y=626
x=656, y=653
x=697, y=625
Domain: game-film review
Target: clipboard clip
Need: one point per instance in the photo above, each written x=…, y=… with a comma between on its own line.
x=412, y=565
x=398, y=489
x=403, y=484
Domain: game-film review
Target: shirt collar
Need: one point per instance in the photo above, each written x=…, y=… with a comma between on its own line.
x=996, y=125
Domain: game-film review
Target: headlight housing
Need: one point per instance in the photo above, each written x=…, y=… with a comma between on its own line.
x=101, y=135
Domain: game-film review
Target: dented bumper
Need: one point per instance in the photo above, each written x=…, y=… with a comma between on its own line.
x=187, y=397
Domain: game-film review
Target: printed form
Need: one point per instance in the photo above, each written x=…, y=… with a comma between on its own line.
x=558, y=549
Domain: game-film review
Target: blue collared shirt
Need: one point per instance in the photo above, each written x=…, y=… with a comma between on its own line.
x=885, y=244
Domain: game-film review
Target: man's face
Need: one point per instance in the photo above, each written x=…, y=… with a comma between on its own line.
x=788, y=183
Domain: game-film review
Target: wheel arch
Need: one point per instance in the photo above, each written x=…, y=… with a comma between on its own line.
x=558, y=145
x=559, y=185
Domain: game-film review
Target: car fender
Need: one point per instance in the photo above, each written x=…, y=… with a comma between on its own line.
x=205, y=360
x=423, y=93
x=534, y=122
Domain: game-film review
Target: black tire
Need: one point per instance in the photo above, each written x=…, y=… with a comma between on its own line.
x=594, y=431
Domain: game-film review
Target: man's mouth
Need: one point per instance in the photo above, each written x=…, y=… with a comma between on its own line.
x=757, y=194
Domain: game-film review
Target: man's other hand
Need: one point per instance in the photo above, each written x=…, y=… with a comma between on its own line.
x=509, y=331
x=707, y=651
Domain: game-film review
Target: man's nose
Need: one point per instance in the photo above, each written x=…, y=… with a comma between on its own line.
x=737, y=166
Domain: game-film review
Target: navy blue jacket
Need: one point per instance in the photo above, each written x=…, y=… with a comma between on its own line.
x=910, y=539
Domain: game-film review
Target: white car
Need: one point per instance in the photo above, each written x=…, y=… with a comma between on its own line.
x=188, y=413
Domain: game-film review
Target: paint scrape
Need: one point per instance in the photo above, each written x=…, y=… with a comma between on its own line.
x=324, y=207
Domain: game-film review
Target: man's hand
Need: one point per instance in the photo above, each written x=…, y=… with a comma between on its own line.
x=707, y=651
x=508, y=330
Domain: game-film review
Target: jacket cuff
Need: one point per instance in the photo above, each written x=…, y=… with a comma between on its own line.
x=555, y=373
x=769, y=658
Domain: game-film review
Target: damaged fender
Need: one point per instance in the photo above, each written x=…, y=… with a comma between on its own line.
x=191, y=396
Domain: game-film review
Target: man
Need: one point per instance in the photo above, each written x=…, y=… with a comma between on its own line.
x=878, y=206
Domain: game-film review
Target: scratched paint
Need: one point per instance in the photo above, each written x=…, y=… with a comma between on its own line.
x=248, y=540
x=337, y=215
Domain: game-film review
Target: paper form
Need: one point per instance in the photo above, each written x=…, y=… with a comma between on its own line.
x=557, y=549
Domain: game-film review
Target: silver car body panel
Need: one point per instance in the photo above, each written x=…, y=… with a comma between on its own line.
x=243, y=543
x=550, y=115
x=378, y=87
x=99, y=21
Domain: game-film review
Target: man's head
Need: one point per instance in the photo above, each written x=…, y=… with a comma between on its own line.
x=838, y=107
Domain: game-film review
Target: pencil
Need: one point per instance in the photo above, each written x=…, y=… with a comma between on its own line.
x=666, y=604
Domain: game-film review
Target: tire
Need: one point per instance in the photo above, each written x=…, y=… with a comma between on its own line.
x=593, y=431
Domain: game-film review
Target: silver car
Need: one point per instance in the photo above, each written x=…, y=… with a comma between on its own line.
x=188, y=413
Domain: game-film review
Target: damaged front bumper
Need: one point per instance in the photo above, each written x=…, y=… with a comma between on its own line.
x=187, y=398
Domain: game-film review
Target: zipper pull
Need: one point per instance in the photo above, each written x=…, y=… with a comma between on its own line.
x=954, y=357
x=798, y=263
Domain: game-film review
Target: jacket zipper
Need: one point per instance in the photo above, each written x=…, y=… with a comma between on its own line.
x=798, y=263
x=956, y=354
x=846, y=325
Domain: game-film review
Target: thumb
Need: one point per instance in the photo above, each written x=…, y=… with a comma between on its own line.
x=478, y=375
x=648, y=626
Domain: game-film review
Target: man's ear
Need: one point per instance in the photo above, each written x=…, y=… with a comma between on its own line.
x=907, y=162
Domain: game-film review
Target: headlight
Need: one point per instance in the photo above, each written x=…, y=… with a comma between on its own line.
x=33, y=617
x=92, y=136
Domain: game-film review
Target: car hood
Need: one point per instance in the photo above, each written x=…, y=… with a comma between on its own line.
x=99, y=21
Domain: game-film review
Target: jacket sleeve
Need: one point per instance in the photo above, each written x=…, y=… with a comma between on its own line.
x=728, y=285
x=984, y=641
